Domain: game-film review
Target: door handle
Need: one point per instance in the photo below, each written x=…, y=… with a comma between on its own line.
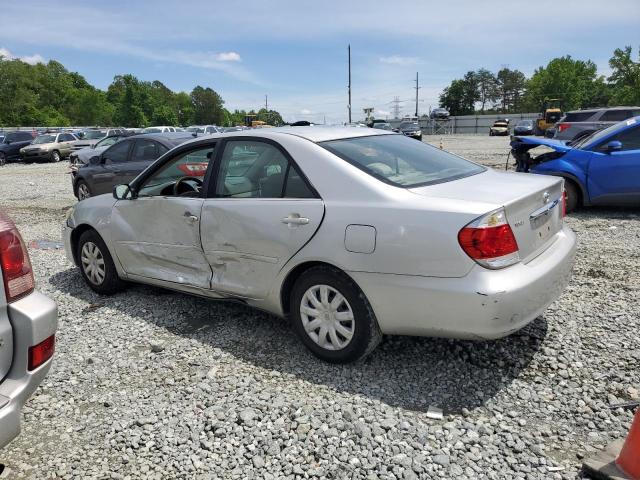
x=190, y=217
x=295, y=219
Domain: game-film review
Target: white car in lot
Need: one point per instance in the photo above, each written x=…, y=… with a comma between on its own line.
x=28, y=322
x=351, y=233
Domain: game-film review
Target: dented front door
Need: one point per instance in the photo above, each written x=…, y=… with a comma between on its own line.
x=159, y=238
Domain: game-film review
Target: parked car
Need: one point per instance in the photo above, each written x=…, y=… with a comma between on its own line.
x=161, y=129
x=28, y=322
x=11, y=145
x=439, y=114
x=525, y=127
x=602, y=168
x=455, y=254
x=383, y=126
x=204, y=129
x=122, y=162
x=578, y=123
x=499, y=127
x=410, y=129
x=92, y=136
x=82, y=156
x=50, y=147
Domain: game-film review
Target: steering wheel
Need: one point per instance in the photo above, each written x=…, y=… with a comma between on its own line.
x=180, y=182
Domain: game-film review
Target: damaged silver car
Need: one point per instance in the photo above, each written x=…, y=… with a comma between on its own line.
x=350, y=233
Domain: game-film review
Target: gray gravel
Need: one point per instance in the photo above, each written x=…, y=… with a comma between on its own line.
x=154, y=384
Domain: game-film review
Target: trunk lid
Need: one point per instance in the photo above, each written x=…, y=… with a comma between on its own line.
x=533, y=204
x=6, y=335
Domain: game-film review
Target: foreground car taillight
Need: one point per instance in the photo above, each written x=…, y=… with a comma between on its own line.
x=563, y=126
x=489, y=241
x=40, y=353
x=14, y=261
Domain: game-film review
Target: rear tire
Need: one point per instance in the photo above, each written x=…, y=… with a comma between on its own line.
x=3, y=159
x=55, y=156
x=332, y=317
x=96, y=265
x=572, y=195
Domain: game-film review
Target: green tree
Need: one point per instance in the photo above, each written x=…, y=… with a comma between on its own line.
x=576, y=82
x=624, y=80
x=510, y=87
x=461, y=96
x=207, y=106
x=487, y=87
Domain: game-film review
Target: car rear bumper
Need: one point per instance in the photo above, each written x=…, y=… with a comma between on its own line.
x=485, y=304
x=33, y=319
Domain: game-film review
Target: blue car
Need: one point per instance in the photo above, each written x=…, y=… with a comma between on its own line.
x=602, y=168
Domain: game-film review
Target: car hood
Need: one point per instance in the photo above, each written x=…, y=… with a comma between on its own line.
x=44, y=146
x=527, y=143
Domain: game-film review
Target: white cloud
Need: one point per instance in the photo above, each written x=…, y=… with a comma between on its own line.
x=30, y=59
x=228, y=57
x=398, y=60
x=383, y=113
x=306, y=111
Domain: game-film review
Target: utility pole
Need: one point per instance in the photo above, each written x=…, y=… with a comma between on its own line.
x=349, y=105
x=266, y=103
x=417, y=88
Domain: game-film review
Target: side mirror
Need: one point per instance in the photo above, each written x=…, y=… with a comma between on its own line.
x=122, y=192
x=95, y=160
x=614, y=146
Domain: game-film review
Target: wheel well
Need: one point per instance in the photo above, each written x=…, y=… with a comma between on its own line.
x=75, y=237
x=293, y=276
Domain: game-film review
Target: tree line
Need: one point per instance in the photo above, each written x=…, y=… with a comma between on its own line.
x=50, y=95
x=575, y=82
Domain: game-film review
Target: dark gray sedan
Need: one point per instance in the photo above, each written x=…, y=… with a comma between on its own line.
x=122, y=162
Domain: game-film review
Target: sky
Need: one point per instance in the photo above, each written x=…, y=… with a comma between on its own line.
x=295, y=52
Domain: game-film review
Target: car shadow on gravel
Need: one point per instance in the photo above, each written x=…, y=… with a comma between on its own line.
x=407, y=372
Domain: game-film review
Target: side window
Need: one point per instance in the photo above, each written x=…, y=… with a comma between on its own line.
x=117, y=153
x=67, y=137
x=296, y=187
x=615, y=115
x=256, y=169
x=188, y=167
x=144, y=150
x=630, y=140
x=23, y=137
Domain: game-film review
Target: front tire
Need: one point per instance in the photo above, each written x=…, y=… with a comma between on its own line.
x=82, y=190
x=96, y=265
x=3, y=159
x=55, y=156
x=332, y=317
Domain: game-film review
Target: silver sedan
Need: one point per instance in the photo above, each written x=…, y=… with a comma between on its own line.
x=350, y=233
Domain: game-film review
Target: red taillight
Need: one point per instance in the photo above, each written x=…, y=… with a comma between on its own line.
x=14, y=261
x=40, y=353
x=563, y=126
x=489, y=241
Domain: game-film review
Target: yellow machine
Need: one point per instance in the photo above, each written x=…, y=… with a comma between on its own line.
x=551, y=114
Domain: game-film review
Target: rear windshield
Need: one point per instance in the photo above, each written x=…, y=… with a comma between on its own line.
x=94, y=134
x=401, y=161
x=578, y=116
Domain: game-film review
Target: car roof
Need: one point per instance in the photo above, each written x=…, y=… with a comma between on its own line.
x=600, y=109
x=167, y=138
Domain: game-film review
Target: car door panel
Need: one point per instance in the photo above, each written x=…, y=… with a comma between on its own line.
x=614, y=177
x=246, y=241
x=159, y=238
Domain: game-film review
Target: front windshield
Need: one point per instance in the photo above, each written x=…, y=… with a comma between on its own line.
x=152, y=130
x=44, y=139
x=105, y=142
x=94, y=134
x=400, y=161
x=407, y=125
x=524, y=123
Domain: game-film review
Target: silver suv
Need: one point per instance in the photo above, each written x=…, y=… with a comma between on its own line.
x=28, y=322
x=582, y=122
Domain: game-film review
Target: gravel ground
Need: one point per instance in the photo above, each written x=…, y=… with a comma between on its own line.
x=155, y=384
